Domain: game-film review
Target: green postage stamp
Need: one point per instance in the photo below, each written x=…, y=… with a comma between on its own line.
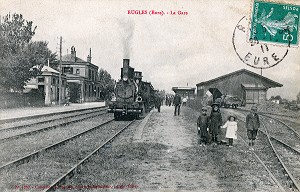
x=275, y=23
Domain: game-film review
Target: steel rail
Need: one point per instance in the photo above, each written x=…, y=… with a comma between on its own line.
x=76, y=168
x=280, y=160
x=264, y=165
x=278, y=157
x=50, y=120
x=47, y=128
x=283, y=143
x=30, y=156
x=261, y=112
x=292, y=129
x=274, y=118
x=2, y=121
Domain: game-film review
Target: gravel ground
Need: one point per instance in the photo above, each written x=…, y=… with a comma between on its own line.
x=23, y=146
x=169, y=158
x=54, y=163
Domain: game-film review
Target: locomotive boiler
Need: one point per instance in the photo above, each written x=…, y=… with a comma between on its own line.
x=133, y=97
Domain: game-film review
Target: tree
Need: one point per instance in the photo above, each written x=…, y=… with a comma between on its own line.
x=18, y=54
x=107, y=84
x=39, y=53
x=298, y=97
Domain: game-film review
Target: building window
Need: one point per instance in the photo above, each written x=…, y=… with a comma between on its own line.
x=77, y=71
x=53, y=81
x=41, y=79
x=68, y=70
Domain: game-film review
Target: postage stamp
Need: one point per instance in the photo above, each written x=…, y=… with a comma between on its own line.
x=276, y=23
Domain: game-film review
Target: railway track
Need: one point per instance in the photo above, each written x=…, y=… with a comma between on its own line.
x=265, y=165
x=286, y=120
x=35, y=154
x=37, y=120
x=30, y=129
x=46, y=115
x=279, y=157
x=76, y=168
x=51, y=159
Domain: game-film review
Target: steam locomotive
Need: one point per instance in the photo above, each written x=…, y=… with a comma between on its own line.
x=132, y=96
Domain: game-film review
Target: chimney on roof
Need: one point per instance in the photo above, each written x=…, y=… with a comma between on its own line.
x=89, y=57
x=73, y=54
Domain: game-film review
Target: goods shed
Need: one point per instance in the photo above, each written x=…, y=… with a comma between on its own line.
x=247, y=85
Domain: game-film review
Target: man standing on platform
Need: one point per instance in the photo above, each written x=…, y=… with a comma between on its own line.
x=177, y=103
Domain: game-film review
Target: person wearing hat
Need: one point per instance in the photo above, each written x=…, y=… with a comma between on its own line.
x=252, y=125
x=231, y=132
x=202, y=125
x=215, y=122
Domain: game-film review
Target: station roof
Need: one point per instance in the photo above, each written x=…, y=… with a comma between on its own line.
x=273, y=83
x=68, y=59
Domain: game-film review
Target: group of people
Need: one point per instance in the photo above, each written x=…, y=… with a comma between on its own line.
x=171, y=100
x=209, y=126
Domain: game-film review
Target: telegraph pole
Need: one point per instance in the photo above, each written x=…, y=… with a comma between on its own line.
x=60, y=81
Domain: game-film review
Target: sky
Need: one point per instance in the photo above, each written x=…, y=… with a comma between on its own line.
x=170, y=50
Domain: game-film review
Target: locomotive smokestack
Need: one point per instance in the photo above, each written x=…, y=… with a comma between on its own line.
x=125, y=72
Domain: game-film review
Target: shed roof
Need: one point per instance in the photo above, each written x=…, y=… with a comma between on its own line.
x=273, y=83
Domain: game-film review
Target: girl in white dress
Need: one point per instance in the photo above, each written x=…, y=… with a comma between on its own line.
x=231, y=132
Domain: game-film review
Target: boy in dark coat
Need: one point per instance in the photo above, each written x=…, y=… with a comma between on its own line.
x=252, y=125
x=215, y=122
x=202, y=125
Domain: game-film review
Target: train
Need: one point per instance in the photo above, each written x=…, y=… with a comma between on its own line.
x=133, y=97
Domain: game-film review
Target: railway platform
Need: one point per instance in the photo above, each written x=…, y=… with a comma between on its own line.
x=8, y=115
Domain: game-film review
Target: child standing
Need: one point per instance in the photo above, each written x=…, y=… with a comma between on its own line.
x=202, y=125
x=215, y=122
x=231, y=126
x=252, y=125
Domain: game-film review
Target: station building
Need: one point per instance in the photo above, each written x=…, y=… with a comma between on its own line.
x=82, y=77
x=185, y=91
x=47, y=83
x=249, y=86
